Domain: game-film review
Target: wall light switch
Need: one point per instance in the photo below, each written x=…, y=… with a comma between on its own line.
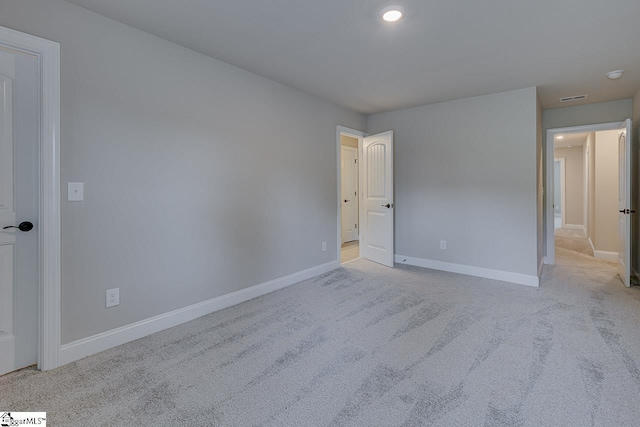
x=75, y=191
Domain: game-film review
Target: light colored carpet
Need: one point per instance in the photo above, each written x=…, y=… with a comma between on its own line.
x=366, y=345
x=574, y=250
x=349, y=251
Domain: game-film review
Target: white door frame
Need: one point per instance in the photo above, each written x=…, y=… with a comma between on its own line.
x=341, y=130
x=550, y=255
x=47, y=54
x=563, y=190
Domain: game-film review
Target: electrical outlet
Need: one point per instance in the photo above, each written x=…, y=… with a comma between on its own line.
x=443, y=244
x=113, y=297
x=324, y=246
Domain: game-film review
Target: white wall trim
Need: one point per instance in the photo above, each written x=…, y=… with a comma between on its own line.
x=505, y=276
x=342, y=130
x=79, y=349
x=575, y=227
x=606, y=255
x=48, y=56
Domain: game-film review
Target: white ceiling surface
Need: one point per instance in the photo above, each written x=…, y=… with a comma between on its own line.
x=571, y=140
x=341, y=51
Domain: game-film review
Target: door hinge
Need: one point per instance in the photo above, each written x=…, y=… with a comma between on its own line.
x=355, y=161
x=356, y=225
x=355, y=193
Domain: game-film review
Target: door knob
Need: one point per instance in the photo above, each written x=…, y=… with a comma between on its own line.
x=388, y=205
x=24, y=226
x=345, y=200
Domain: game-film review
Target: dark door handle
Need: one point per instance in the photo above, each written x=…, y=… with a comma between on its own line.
x=345, y=200
x=627, y=211
x=24, y=226
x=622, y=211
x=388, y=205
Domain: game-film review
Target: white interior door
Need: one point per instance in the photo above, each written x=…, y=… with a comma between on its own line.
x=18, y=204
x=349, y=193
x=376, y=189
x=7, y=216
x=624, y=203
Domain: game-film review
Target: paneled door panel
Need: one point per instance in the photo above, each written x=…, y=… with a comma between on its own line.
x=624, y=203
x=7, y=216
x=19, y=163
x=377, y=217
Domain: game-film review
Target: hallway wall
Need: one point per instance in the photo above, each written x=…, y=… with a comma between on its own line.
x=606, y=191
x=591, y=185
x=574, y=182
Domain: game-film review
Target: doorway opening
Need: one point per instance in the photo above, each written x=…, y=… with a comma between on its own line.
x=349, y=148
x=374, y=197
x=588, y=205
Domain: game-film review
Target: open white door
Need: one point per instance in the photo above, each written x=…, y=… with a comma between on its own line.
x=376, y=215
x=624, y=203
x=7, y=217
x=18, y=211
x=349, y=193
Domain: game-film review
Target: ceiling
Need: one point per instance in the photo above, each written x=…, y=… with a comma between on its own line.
x=571, y=140
x=442, y=50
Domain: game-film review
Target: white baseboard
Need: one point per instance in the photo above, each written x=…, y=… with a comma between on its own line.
x=505, y=276
x=84, y=347
x=576, y=227
x=607, y=255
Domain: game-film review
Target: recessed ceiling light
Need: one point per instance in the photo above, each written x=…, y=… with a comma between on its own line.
x=560, y=137
x=392, y=13
x=615, y=75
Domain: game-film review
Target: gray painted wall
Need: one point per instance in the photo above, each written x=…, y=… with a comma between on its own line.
x=602, y=112
x=200, y=178
x=465, y=172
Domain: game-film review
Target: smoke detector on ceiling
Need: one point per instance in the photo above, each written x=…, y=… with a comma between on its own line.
x=573, y=98
x=615, y=75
